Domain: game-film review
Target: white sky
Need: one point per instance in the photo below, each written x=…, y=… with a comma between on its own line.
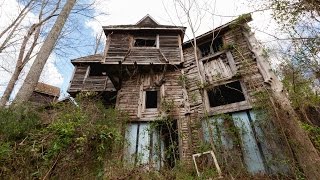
x=129, y=12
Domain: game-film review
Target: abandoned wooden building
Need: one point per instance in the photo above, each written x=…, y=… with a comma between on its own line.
x=45, y=94
x=177, y=100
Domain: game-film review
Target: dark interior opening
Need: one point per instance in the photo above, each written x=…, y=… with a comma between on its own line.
x=151, y=99
x=97, y=70
x=109, y=98
x=145, y=43
x=170, y=136
x=226, y=94
x=211, y=47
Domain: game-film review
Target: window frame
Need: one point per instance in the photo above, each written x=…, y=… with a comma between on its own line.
x=232, y=107
x=144, y=99
x=211, y=46
x=156, y=38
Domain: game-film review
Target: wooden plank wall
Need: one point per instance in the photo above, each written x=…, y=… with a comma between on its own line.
x=169, y=46
x=121, y=46
x=82, y=81
x=130, y=96
x=78, y=78
x=190, y=126
x=118, y=45
x=245, y=67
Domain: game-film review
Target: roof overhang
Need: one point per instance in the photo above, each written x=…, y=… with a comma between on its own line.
x=243, y=19
x=136, y=29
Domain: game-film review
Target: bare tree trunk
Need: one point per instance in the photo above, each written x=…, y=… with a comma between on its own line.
x=21, y=62
x=43, y=55
x=6, y=95
x=22, y=58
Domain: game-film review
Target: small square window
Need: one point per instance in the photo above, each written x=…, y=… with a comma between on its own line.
x=151, y=99
x=210, y=47
x=145, y=42
x=226, y=94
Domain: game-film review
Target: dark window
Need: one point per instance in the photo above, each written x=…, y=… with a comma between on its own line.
x=145, y=42
x=151, y=99
x=226, y=94
x=97, y=70
x=211, y=47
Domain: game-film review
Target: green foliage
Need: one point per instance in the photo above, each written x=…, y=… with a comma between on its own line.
x=299, y=86
x=5, y=151
x=227, y=47
x=314, y=134
x=183, y=80
x=244, y=18
x=62, y=141
x=17, y=122
x=167, y=105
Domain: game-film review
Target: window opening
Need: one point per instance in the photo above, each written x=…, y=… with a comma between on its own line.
x=145, y=42
x=151, y=99
x=170, y=136
x=97, y=70
x=211, y=47
x=225, y=94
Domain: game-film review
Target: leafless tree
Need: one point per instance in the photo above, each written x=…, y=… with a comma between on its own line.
x=27, y=47
x=35, y=71
x=25, y=51
x=8, y=33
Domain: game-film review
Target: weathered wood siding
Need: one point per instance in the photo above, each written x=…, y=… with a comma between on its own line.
x=82, y=81
x=169, y=46
x=79, y=75
x=190, y=126
x=118, y=45
x=120, y=48
x=131, y=96
x=246, y=65
x=236, y=63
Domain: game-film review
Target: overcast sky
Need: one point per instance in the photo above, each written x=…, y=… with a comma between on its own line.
x=59, y=70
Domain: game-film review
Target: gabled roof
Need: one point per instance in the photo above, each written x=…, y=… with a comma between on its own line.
x=147, y=21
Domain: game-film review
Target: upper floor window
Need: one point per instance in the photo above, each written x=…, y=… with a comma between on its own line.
x=211, y=47
x=226, y=94
x=145, y=42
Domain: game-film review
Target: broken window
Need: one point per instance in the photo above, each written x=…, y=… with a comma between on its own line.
x=97, y=70
x=145, y=42
x=211, y=47
x=152, y=144
x=226, y=94
x=151, y=99
x=218, y=68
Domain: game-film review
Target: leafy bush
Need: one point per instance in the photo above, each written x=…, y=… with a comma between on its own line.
x=16, y=122
x=62, y=141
